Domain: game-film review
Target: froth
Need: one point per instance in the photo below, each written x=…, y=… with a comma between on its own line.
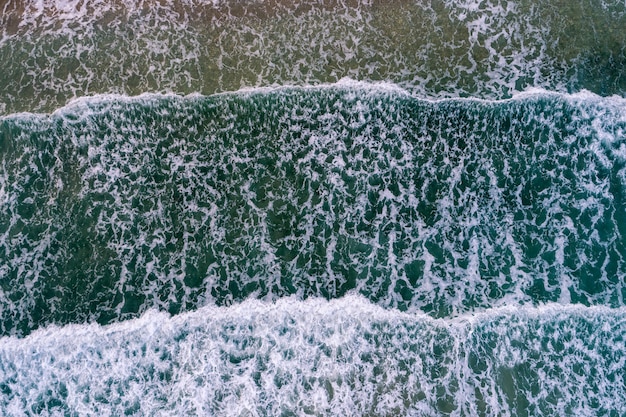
x=324, y=358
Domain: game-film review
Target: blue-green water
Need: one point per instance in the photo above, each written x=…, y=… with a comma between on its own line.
x=442, y=233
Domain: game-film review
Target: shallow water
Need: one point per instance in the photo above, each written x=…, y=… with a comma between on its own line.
x=489, y=49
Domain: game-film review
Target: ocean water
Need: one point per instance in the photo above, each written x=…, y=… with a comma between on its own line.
x=316, y=207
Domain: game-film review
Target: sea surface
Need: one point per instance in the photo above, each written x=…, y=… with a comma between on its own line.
x=315, y=207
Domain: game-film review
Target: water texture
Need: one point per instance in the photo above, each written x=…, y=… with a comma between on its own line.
x=117, y=205
x=279, y=208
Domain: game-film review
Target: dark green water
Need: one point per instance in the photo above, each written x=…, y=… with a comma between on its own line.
x=439, y=234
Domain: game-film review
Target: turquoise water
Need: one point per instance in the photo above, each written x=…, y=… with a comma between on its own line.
x=313, y=208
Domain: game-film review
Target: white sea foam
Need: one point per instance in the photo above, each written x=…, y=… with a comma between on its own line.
x=345, y=356
x=82, y=105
